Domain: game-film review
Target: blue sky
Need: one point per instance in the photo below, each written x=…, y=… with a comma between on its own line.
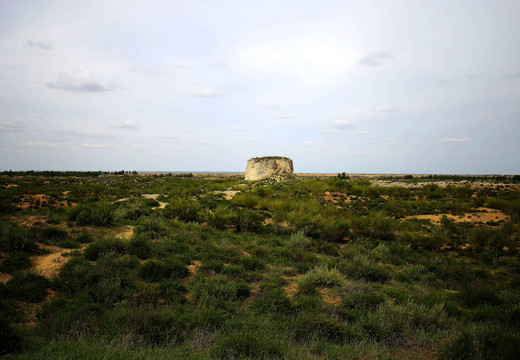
x=355, y=86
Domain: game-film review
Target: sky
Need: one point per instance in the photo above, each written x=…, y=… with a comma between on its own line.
x=403, y=86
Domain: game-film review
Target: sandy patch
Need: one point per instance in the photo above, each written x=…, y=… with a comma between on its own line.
x=5, y=277
x=34, y=201
x=327, y=297
x=228, y=194
x=127, y=234
x=486, y=215
x=291, y=289
x=334, y=196
x=150, y=196
x=49, y=264
x=193, y=268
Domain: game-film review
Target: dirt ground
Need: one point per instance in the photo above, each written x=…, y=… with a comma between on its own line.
x=484, y=216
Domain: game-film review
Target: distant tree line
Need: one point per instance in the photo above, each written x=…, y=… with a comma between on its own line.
x=52, y=173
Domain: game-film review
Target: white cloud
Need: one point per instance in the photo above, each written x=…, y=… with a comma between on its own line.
x=393, y=109
x=363, y=132
x=96, y=146
x=38, y=44
x=452, y=140
x=375, y=59
x=391, y=141
x=124, y=125
x=138, y=146
x=339, y=125
x=8, y=126
x=82, y=81
x=41, y=144
x=310, y=143
x=207, y=93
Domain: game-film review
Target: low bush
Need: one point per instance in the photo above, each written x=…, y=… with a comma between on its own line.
x=98, y=213
x=27, y=287
x=320, y=276
x=74, y=318
x=251, y=263
x=15, y=238
x=248, y=220
x=484, y=342
x=274, y=300
x=173, y=290
x=140, y=247
x=152, y=227
x=84, y=238
x=375, y=225
x=95, y=250
x=363, y=298
x=298, y=240
x=212, y=291
x=222, y=217
x=185, y=210
x=15, y=261
x=400, y=324
x=146, y=326
x=308, y=327
x=153, y=270
x=248, y=344
x=363, y=268
x=335, y=230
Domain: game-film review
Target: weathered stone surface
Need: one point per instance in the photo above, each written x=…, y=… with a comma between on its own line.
x=264, y=167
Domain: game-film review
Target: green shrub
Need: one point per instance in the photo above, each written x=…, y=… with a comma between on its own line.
x=140, y=247
x=153, y=270
x=185, y=210
x=399, y=324
x=84, y=238
x=362, y=298
x=274, y=300
x=320, y=276
x=248, y=220
x=77, y=275
x=375, y=225
x=214, y=290
x=479, y=343
x=152, y=227
x=222, y=217
x=27, y=287
x=248, y=344
x=212, y=267
x=364, y=268
x=251, y=263
x=10, y=339
x=298, y=240
x=474, y=295
x=146, y=325
x=246, y=199
x=69, y=318
x=335, y=230
x=15, y=238
x=173, y=290
x=95, y=250
x=308, y=327
x=15, y=261
x=98, y=213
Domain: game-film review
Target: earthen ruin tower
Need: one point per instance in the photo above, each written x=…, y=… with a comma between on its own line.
x=263, y=167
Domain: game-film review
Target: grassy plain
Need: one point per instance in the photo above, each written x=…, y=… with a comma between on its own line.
x=196, y=267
